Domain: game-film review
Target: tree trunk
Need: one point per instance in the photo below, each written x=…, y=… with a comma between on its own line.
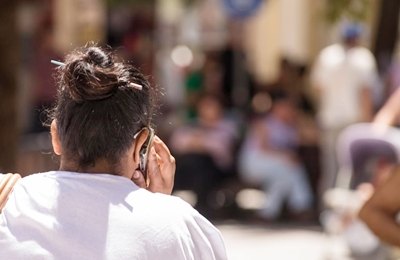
x=8, y=86
x=386, y=33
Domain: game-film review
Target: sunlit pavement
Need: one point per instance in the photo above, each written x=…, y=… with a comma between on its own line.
x=246, y=238
x=246, y=241
x=250, y=242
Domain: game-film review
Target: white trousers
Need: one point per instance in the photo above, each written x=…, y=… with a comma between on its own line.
x=281, y=180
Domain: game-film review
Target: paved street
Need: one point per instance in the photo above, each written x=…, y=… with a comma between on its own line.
x=253, y=242
x=246, y=240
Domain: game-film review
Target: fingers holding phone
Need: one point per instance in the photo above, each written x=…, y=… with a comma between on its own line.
x=161, y=168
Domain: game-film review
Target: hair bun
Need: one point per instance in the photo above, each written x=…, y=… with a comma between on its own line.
x=98, y=57
x=88, y=76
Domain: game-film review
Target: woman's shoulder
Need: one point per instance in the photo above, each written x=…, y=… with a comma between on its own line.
x=168, y=205
x=181, y=211
x=35, y=177
x=171, y=203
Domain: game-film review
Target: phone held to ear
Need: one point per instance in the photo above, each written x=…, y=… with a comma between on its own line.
x=144, y=152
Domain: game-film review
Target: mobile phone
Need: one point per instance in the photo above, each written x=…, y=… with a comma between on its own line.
x=144, y=152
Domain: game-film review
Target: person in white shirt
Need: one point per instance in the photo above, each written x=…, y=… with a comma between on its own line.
x=103, y=202
x=344, y=78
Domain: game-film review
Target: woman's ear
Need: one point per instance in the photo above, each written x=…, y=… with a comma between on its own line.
x=55, y=139
x=138, y=143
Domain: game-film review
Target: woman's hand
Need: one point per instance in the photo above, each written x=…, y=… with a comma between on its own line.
x=161, y=169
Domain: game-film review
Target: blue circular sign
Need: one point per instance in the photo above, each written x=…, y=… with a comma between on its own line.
x=241, y=8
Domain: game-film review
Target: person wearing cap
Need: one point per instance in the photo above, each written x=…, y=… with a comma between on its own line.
x=344, y=78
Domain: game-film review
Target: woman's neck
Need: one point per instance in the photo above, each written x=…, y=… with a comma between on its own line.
x=100, y=166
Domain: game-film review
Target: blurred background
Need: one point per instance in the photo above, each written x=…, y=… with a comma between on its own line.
x=241, y=82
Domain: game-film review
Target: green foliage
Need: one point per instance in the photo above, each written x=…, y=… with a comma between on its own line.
x=356, y=10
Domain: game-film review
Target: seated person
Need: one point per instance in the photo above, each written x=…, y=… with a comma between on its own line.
x=90, y=208
x=268, y=158
x=204, y=150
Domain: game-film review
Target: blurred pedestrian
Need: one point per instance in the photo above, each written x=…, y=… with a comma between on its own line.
x=344, y=78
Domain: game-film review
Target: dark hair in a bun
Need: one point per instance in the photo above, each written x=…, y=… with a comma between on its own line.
x=101, y=104
x=97, y=57
x=90, y=75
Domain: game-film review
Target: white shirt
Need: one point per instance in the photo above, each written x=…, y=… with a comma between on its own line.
x=66, y=215
x=341, y=74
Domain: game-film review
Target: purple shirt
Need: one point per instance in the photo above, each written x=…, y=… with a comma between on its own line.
x=281, y=135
